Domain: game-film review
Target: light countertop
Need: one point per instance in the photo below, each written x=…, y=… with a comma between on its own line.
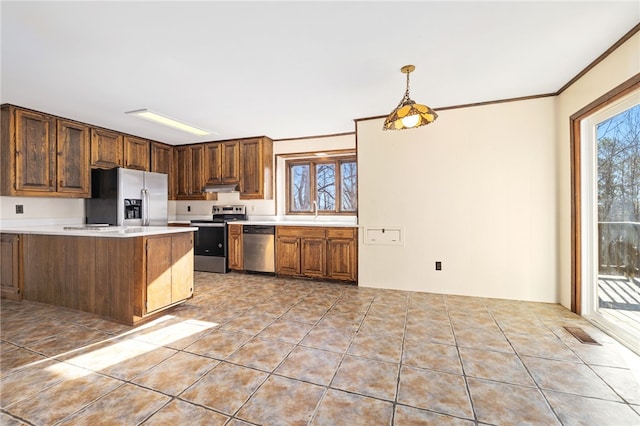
x=93, y=231
x=295, y=223
x=277, y=221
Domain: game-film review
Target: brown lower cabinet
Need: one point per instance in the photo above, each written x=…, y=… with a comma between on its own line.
x=10, y=267
x=317, y=252
x=235, y=259
x=124, y=279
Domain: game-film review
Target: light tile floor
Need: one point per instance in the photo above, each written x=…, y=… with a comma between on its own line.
x=252, y=349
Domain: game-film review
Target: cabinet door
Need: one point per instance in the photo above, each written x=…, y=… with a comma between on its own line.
x=251, y=169
x=182, y=266
x=35, y=152
x=106, y=149
x=159, y=274
x=230, y=164
x=236, y=261
x=212, y=163
x=314, y=257
x=72, y=167
x=182, y=172
x=162, y=162
x=136, y=153
x=197, y=172
x=341, y=259
x=288, y=256
x=10, y=266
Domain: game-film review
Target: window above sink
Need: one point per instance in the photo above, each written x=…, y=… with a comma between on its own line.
x=322, y=184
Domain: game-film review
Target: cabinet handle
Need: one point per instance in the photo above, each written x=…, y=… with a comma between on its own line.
x=50, y=182
x=61, y=184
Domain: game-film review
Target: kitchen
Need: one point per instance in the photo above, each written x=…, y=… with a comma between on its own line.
x=500, y=182
x=116, y=203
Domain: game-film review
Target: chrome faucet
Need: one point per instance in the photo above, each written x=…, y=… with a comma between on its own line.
x=315, y=209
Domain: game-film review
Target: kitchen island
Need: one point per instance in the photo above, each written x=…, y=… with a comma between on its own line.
x=127, y=274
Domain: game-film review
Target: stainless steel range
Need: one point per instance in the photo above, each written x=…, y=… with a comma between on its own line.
x=211, y=241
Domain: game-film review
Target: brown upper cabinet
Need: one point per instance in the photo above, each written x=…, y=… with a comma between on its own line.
x=72, y=158
x=162, y=162
x=43, y=156
x=106, y=149
x=136, y=153
x=188, y=173
x=222, y=162
x=256, y=168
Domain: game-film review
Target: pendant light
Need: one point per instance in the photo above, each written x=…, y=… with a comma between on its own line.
x=409, y=114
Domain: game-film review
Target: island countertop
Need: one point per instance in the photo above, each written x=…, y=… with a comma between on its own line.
x=96, y=231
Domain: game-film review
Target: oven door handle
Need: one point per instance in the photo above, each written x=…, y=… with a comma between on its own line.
x=208, y=225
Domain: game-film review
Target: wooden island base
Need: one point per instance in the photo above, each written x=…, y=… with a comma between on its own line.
x=125, y=279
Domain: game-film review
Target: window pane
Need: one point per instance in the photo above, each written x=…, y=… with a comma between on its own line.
x=326, y=186
x=300, y=188
x=349, y=188
x=618, y=184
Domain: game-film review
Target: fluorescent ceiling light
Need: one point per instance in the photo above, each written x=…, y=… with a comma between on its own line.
x=170, y=122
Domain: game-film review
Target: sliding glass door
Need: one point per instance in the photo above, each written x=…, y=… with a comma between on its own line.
x=610, y=199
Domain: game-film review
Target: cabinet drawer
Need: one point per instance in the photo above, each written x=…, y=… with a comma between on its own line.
x=341, y=232
x=300, y=231
x=235, y=230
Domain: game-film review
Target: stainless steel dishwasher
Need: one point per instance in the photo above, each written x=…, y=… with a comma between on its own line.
x=258, y=248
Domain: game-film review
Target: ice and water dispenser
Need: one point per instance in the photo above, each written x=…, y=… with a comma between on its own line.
x=132, y=208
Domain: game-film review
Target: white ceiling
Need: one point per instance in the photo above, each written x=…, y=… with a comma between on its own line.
x=289, y=69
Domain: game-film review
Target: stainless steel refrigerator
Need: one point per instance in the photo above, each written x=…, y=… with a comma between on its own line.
x=127, y=197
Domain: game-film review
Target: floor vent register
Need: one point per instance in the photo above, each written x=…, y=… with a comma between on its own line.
x=581, y=335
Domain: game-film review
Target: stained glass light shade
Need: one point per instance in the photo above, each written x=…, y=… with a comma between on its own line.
x=408, y=114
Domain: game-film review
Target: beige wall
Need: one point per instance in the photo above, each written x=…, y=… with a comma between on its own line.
x=39, y=210
x=618, y=67
x=485, y=190
x=475, y=190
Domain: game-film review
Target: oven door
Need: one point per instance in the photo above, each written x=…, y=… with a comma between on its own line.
x=210, y=239
x=210, y=247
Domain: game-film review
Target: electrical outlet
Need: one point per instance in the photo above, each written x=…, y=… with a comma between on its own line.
x=438, y=266
x=188, y=208
x=19, y=209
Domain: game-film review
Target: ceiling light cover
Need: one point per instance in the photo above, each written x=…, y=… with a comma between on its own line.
x=168, y=121
x=408, y=114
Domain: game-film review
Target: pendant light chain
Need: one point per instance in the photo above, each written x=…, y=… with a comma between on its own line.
x=406, y=93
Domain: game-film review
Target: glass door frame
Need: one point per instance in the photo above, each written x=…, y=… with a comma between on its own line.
x=584, y=256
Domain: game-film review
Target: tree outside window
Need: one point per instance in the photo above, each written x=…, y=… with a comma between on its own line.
x=332, y=183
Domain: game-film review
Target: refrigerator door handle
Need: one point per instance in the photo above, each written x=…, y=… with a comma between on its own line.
x=145, y=211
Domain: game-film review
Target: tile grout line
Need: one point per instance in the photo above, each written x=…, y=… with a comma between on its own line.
x=342, y=357
x=537, y=385
x=464, y=375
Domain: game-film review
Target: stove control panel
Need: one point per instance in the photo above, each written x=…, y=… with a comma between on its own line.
x=220, y=210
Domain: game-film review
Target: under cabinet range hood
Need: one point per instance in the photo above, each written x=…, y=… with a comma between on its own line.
x=226, y=187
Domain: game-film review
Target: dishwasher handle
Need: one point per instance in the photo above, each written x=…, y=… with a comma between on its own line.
x=259, y=229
